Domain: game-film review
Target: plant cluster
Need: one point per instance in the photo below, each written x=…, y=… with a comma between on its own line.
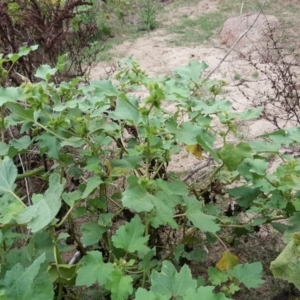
x=58, y=27
x=110, y=195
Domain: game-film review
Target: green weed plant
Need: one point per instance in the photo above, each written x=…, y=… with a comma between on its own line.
x=139, y=222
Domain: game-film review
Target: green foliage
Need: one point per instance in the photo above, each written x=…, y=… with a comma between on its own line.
x=148, y=15
x=131, y=219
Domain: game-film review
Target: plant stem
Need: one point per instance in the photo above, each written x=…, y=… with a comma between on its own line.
x=2, y=124
x=220, y=240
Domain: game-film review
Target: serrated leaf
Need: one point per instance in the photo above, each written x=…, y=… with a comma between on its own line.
x=251, y=113
x=93, y=183
x=196, y=150
x=93, y=270
x=232, y=155
x=120, y=285
x=8, y=175
x=45, y=72
x=130, y=236
x=216, y=276
x=200, y=220
x=126, y=109
x=127, y=162
x=41, y=213
x=91, y=233
x=228, y=261
x=248, y=274
x=169, y=283
x=136, y=197
x=9, y=94
x=142, y=294
x=49, y=144
x=252, y=167
x=285, y=136
x=104, y=88
x=22, y=143
x=246, y=195
x=163, y=211
x=260, y=146
x=17, y=109
x=28, y=283
x=286, y=266
x=192, y=71
x=204, y=293
x=173, y=187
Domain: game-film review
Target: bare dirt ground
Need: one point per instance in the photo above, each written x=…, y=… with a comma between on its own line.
x=157, y=56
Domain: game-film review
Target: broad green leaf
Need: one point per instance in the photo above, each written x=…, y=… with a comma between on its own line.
x=196, y=254
x=45, y=207
x=207, y=141
x=248, y=274
x=45, y=72
x=250, y=168
x=164, y=211
x=17, y=109
x=22, y=143
x=91, y=233
x=232, y=155
x=260, y=146
x=127, y=162
x=49, y=144
x=148, y=262
x=31, y=283
x=104, y=88
x=293, y=227
x=251, y=113
x=216, y=277
x=169, y=283
x=200, y=220
x=173, y=187
x=286, y=266
x=246, y=195
x=9, y=94
x=192, y=71
x=285, y=136
x=93, y=183
x=120, y=285
x=23, y=51
x=93, y=269
x=62, y=273
x=126, y=109
x=8, y=209
x=188, y=133
x=4, y=148
x=130, y=236
x=8, y=175
x=136, y=197
x=142, y=294
x=204, y=293
x=212, y=108
x=72, y=197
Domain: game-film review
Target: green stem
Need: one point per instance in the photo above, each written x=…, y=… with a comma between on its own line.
x=2, y=124
x=15, y=196
x=220, y=240
x=31, y=173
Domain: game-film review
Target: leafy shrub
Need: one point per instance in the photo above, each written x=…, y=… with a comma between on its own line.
x=58, y=27
x=136, y=226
